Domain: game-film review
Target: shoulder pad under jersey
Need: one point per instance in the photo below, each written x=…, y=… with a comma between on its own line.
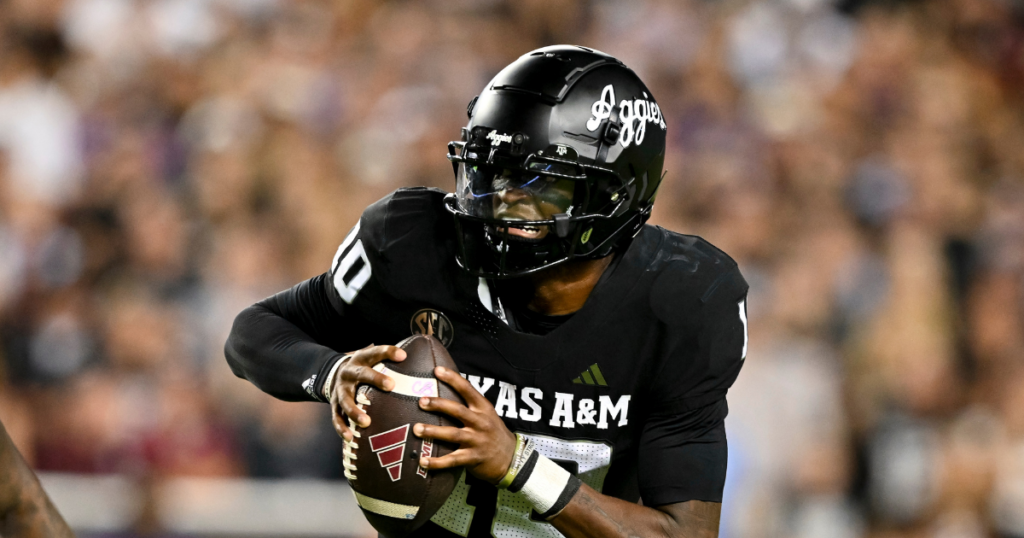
x=410, y=241
x=691, y=272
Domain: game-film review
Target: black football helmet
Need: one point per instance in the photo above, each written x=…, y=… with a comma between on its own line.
x=561, y=159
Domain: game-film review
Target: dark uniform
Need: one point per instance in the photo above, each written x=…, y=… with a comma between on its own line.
x=628, y=393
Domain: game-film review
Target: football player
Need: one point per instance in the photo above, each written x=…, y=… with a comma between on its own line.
x=595, y=350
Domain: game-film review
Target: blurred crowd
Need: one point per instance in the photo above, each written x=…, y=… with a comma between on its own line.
x=165, y=163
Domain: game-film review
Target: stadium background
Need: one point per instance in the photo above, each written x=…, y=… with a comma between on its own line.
x=164, y=163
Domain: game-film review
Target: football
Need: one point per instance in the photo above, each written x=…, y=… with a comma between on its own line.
x=396, y=495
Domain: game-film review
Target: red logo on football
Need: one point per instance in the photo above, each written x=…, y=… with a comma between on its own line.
x=390, y=448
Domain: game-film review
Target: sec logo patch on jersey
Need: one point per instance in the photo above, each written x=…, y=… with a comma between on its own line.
x=428, y=321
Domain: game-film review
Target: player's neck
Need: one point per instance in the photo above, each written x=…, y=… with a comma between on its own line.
x=564, y=288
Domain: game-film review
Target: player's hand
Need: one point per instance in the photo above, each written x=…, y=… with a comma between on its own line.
x=486, y=446
x=357, y=370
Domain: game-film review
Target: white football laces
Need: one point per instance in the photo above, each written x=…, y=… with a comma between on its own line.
x=350, y=446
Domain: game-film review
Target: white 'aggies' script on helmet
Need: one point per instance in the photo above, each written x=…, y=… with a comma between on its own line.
x=635, y=115
x=497, y=138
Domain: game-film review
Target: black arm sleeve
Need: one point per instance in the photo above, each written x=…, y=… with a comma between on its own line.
x=286, y=343
x=684, y=456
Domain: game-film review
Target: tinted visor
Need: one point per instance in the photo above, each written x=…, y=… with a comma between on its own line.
x=493, y=192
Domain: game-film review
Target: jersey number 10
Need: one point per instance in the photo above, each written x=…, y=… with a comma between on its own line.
x=351, y=268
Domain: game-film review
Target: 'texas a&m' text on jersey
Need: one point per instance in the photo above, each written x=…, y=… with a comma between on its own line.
x=628, y=393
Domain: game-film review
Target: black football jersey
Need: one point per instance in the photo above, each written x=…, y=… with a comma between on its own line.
x=662, y=334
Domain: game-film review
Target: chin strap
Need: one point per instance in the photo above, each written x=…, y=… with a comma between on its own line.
x=622, y=237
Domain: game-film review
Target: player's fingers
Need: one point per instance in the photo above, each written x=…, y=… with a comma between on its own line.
x=463, y=387
x=442, y=433
x=458, y=458
x=365, y=374
x=352, y=411
x=375, y=354
x=338, y=421
x=451, y=408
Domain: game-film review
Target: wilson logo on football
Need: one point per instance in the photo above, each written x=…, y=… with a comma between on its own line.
x=390, y=448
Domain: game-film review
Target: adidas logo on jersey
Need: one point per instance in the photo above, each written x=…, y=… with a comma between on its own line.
x=591, y=376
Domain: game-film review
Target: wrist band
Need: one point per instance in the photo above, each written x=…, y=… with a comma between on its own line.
x=518, y=459
x=545, y=484
x=329, y=382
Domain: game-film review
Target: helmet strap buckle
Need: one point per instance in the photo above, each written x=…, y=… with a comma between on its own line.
x=613, y=127
x=562, y=225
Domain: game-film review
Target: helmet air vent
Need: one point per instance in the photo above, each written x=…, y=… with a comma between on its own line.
x=573, y=76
